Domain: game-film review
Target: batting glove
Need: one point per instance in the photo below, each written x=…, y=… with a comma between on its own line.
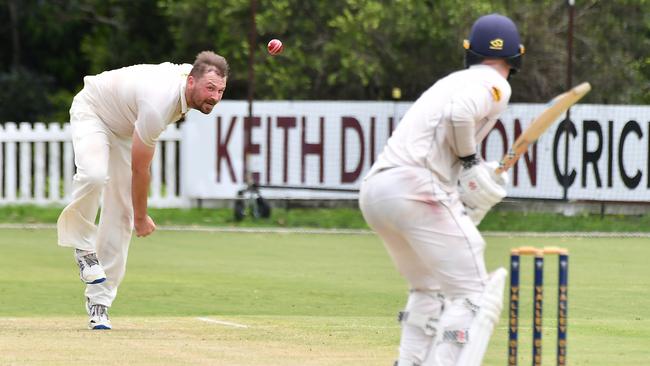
x=480, y=188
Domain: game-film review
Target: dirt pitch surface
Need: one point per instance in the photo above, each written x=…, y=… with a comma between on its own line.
x=189, y=341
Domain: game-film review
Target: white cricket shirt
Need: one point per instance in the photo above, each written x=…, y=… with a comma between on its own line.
x=144, y=97
x=476, y=95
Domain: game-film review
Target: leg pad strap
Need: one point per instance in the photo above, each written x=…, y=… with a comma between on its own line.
x=458, y=336
x=429, y=325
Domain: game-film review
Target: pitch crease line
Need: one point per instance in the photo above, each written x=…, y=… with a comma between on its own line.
x=221, y=322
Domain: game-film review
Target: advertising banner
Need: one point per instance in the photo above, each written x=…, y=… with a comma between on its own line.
x=322, y=149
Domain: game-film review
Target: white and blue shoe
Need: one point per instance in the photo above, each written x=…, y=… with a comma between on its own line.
x=98, y=316
x=90, y=271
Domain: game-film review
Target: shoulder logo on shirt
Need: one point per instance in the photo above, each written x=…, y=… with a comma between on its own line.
x=496, y=94
x=496, y=44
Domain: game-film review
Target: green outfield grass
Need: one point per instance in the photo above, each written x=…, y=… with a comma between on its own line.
x=350, y=218
x=306, y=299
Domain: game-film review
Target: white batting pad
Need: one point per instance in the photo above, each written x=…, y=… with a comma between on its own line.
x=483, y=324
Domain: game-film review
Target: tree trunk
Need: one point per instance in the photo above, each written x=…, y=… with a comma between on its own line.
x=15, y=39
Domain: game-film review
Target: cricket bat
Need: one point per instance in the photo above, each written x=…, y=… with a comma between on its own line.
x=555, y=108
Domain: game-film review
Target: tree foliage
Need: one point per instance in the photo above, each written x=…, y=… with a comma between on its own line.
x=338, y=49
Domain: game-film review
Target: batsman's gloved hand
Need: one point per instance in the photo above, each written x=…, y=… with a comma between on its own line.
x=480, y=187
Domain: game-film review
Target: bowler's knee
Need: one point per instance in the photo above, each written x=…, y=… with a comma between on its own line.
x=95, y=177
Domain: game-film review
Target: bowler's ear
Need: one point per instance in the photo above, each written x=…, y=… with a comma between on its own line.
x=190, y=81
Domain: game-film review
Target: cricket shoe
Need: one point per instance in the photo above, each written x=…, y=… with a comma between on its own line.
x=90, y=271
x=98, y=316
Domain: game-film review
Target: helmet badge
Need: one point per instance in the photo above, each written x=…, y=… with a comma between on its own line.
x=496, y=44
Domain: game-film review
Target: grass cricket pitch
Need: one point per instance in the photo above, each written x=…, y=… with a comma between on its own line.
x=304, y=299
x=190, y=341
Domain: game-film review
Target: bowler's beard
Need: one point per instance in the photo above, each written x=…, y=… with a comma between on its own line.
x=199, y=104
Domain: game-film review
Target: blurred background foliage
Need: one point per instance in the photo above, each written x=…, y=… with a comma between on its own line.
x=334, y=50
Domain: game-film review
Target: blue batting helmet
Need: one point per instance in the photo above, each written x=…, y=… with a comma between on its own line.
x=494, y=36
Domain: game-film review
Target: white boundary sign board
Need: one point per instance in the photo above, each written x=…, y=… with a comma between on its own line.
x=333, y=144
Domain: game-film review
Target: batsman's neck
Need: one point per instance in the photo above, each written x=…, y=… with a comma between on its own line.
x=501, y=66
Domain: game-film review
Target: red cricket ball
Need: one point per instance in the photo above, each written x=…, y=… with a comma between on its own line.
x=275, y=47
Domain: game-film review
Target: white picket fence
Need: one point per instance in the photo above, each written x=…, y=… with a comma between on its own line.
x=37, y=165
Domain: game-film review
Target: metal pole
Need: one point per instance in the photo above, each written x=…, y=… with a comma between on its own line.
x=569, y=69
x=252, y=40
x=569, y=74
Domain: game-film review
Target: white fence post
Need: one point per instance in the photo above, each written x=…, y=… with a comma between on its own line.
x=25, y=164
x=68, y=166
x=156, y=173
x=170, y=169
x=11, y=134
x=39, y=162
x=2, y=170
x=54, y=157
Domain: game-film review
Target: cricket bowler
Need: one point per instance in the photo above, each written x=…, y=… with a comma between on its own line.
x=115, y=121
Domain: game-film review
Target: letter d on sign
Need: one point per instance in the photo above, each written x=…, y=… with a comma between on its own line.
x=348, y=123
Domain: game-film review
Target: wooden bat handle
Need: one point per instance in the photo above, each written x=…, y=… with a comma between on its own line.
x=507, y=161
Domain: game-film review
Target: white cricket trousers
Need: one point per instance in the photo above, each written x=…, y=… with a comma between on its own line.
x=435, y=247
x=103, y=163
x=433, y=244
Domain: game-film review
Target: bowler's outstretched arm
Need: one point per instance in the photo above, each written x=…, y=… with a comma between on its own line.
x=141, y=156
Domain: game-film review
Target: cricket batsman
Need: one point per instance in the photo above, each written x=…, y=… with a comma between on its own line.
x=116, y=120
x=428, y=191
